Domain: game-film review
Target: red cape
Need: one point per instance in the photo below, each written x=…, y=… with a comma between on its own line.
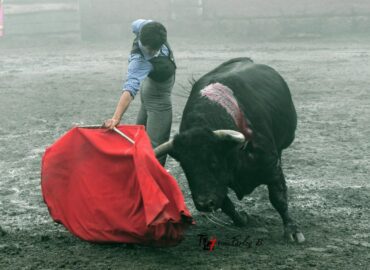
x=103, y=188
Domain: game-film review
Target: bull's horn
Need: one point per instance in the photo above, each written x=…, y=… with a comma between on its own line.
x=163, y=149
x=230, y=134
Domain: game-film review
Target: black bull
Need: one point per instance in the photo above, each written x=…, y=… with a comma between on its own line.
x=255, y=101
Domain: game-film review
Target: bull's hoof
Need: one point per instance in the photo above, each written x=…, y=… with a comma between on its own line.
x=241, y=219
x=292, y=234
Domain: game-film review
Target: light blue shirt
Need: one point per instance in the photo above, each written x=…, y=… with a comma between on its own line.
x=138, y=65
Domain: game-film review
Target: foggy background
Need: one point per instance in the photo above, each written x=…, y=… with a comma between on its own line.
x=110, y=19
x=62, y=63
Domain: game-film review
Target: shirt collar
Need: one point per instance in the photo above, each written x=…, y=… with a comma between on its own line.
x=147, y=56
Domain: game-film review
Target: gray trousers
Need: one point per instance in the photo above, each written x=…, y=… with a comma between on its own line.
x=156, y=111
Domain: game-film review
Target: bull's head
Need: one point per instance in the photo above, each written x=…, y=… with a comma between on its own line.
x=207, y=158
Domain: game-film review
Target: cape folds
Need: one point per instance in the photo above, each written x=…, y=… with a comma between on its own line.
x=102, y=188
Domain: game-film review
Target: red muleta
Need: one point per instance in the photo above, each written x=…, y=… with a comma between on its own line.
x=103, y=188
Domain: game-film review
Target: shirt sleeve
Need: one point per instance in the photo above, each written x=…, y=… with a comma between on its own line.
x=138, y=24
x=138, y=70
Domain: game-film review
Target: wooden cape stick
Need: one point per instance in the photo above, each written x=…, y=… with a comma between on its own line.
x=124, y=135
x=115, y=129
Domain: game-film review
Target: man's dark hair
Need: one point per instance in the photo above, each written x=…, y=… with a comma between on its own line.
x=153, y=35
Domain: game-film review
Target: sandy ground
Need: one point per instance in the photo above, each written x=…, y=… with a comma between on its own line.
x=48, y=85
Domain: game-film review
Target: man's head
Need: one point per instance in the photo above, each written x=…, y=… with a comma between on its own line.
x=153, y=35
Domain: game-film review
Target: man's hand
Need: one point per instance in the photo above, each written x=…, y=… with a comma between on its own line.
x=110, y=123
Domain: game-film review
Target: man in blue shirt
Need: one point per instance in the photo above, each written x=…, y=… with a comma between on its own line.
x=152, y=70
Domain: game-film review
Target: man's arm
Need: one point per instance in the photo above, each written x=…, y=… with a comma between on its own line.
x=138, y=70
x=121, y=108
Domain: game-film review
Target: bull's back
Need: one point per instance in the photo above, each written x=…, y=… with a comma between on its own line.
x=262, y=94
x=267, y=102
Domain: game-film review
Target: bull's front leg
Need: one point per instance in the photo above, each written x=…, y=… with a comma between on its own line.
x=229, y=209
x=279, y=199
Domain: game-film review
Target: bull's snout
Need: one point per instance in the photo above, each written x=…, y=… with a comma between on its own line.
x=205, y=203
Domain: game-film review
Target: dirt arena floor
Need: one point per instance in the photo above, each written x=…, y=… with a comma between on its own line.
x=48, y=85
